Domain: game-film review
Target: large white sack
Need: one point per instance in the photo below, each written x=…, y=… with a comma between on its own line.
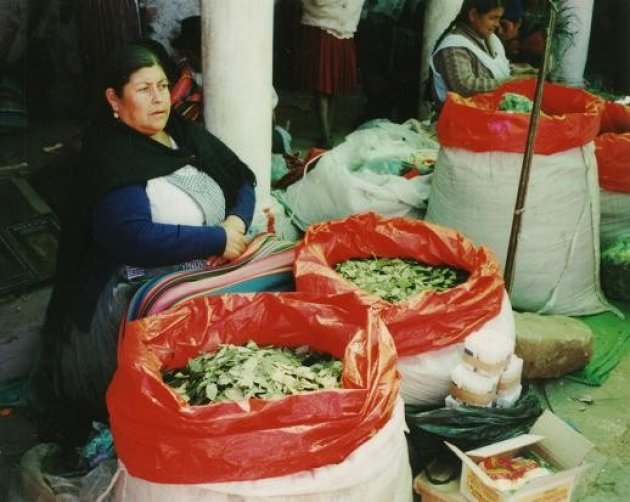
x=425, y=378
x=557, y=262
x=376, y=471
x=337, y=187
x=615, y=222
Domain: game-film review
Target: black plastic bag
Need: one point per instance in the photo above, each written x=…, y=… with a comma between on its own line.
x=467, y=427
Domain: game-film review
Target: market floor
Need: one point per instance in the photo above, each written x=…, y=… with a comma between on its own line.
x=602, y=414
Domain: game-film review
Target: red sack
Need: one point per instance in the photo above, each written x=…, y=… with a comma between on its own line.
x=613, y=161
x=160, y=438
x=420, y=323
x=570, y=118
x=615, y=118
x=612, y=148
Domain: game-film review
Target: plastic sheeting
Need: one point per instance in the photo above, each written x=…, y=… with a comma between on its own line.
x=613, y=161
x=377, y=470
x=612, y=148
x=339, y=185
x=570, y=118
x=160, y=438
x=423, y=322
x=615, y=117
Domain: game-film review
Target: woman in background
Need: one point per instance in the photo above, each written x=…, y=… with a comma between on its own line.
x=469, y=57
x=186, y=91
x=328, y=56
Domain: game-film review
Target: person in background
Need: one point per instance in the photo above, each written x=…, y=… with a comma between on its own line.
x=328, y=55
x=531, y=34
x=186, y=92
x=388, y=41
x=511, y=22
x=510, y=35
x=154, y=193
x=469, y=57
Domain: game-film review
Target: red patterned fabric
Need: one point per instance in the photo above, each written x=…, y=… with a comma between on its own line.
x=187, y=96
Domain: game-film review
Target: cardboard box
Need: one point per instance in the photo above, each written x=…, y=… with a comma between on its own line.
x=550, y=438
x=429, y=492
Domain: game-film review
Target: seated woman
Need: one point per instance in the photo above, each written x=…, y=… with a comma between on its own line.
x=469, y=57
x=154, y=193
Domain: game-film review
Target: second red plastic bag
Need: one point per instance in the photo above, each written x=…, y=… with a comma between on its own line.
x=612, y=148
x=569, y=118
x=423, y=322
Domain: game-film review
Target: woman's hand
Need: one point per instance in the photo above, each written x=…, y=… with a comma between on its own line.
x=522, y=70
x=235, y=242
x=235, y=223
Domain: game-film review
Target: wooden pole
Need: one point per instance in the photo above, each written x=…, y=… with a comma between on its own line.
x=529, y=152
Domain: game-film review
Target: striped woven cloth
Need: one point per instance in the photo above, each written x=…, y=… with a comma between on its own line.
x=266, y=265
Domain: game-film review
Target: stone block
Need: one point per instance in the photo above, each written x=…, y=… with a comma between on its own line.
x=551, y=345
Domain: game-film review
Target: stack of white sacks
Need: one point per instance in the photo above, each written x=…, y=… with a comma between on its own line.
x=489, y=373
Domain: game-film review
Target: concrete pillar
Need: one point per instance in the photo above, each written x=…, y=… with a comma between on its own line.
x=237, y=43
x=438, y=15
x=572, y=53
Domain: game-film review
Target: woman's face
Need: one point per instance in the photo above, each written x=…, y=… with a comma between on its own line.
x=145, y=102
x=485, y=24
x=509, y=30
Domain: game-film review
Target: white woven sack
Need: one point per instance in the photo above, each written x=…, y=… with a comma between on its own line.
x=426, y=377
x=557, y=261
x=376, y=471
x=615, y=222
x=337, y=188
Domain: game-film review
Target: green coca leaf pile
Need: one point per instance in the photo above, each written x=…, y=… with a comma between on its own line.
x=396, y=279
x=237, y=373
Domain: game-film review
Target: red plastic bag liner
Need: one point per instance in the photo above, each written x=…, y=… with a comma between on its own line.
x=161, y=438
x=423, y=322
x=570, y=118
x=612, y=148
x=615, y=118
x=613, y=161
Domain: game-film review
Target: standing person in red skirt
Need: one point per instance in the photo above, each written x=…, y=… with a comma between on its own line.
x=328, y=57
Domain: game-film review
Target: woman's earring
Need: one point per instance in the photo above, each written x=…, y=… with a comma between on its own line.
x=116, y=115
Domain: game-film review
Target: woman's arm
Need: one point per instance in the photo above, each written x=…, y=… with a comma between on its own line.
x=122, y=226
x=243, y=207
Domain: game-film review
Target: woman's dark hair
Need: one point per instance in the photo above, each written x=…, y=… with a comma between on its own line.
x=169, y=66
x=482, y=7
x=125, y=62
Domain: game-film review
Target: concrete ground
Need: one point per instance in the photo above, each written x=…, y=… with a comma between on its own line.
x=602, y=413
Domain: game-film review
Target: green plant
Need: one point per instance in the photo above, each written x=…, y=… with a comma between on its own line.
x=563, y=29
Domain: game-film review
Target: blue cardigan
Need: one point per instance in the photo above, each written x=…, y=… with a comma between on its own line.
x=121, y=225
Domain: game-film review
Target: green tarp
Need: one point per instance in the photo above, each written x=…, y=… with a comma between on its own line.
x=611, y=338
